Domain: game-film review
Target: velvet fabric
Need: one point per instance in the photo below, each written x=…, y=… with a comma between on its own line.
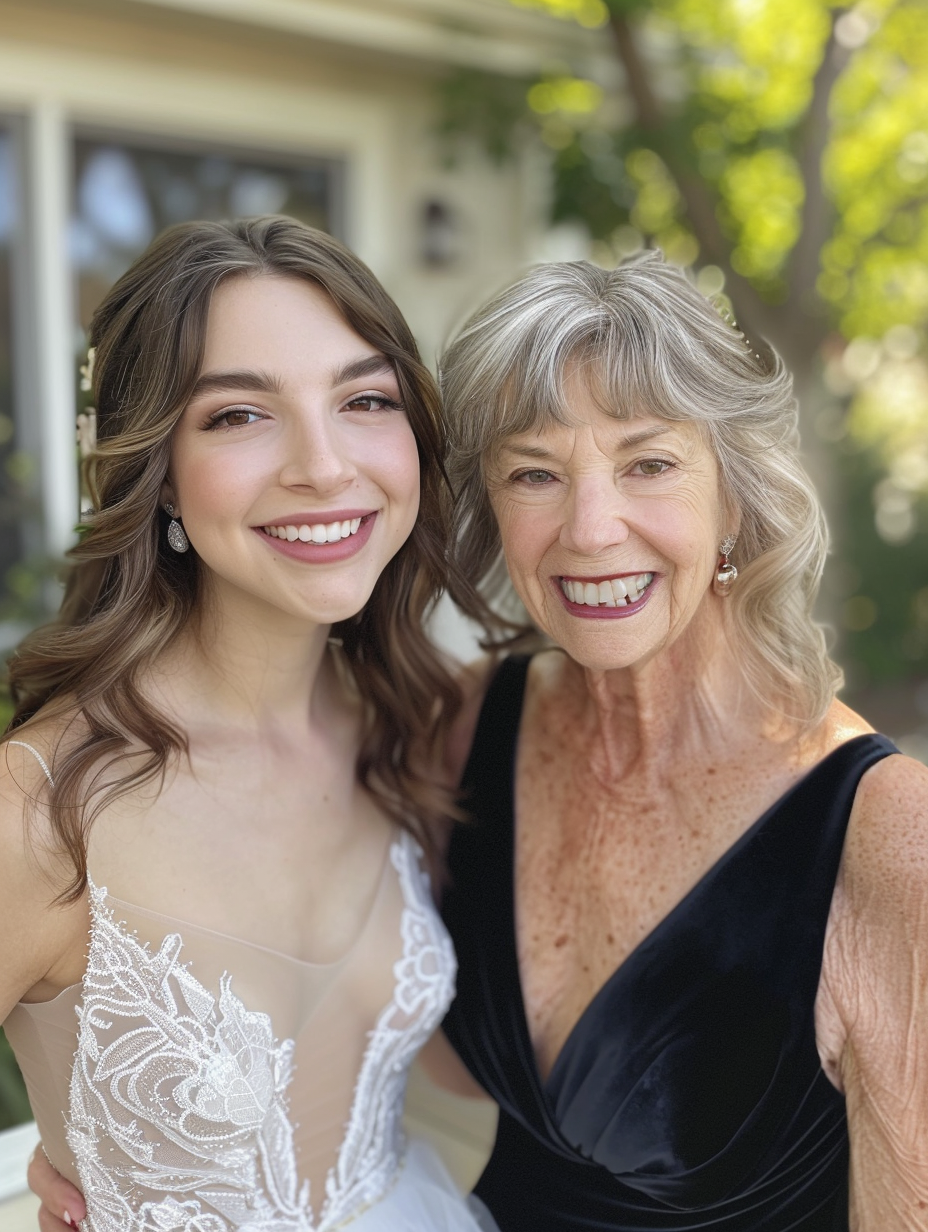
x=690, y=1094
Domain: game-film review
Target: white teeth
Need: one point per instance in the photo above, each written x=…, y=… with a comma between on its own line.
x=614, y=592
x=319, y=532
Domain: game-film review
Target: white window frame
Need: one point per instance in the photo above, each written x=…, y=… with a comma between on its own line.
x=157, y=104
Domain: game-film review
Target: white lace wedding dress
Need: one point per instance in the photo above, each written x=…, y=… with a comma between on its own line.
x=195, y=1082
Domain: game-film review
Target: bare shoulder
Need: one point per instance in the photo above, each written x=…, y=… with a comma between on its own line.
x=839, y=725
x=29, y=753
x=888, y=827
x=25, y=781
x=887, y=842
x=37, y=936
x=28, y=757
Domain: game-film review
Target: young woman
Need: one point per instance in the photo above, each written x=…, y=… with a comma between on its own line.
x=219, y=769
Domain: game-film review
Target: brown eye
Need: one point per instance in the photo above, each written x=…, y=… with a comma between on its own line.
x=653, y=466
x=235, y=417
x=372, y=402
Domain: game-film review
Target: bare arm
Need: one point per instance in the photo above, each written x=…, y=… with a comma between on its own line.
x=875, y=991
x=42, y=943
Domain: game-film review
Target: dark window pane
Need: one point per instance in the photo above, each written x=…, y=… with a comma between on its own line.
x=126, y=192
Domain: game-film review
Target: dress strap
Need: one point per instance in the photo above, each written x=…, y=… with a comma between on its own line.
x=492, y=754
x=37, y=755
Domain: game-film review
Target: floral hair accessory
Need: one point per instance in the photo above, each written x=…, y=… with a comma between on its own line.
x=87, y=432
x=87, y=420
x=87, y=370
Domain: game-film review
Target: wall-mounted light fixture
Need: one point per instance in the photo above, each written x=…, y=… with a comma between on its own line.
x=439, y=234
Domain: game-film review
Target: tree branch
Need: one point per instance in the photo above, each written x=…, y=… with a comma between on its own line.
x=754, y=317
x=815, y=223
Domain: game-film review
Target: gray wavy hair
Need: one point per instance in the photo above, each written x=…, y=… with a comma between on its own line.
x=650, y=344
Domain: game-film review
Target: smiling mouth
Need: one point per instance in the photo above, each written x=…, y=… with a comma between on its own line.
x=316, y=532
x=609, y=592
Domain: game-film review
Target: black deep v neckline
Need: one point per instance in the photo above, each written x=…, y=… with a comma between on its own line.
x=548, y=1088
x=689, y=1094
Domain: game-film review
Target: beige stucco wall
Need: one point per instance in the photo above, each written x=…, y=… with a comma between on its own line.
x=148, y=68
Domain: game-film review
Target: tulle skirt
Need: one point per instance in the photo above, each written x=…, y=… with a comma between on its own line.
x=424, y=1198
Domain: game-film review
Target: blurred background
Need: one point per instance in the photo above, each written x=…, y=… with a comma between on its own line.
x=777, y=149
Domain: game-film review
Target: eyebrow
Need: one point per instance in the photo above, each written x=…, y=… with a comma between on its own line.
x=225, y=382
x=626, y=442
x=370, y=365
x=247, y=378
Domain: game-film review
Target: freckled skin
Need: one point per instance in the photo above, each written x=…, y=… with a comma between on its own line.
x=599, y=861
x=643, y=758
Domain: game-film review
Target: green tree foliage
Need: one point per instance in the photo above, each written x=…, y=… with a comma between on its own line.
x=14, y=1103
x=779, y=148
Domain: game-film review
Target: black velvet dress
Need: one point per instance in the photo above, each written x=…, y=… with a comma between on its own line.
x=690, y=1094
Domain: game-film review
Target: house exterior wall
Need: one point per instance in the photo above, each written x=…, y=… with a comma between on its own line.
x=349, y=80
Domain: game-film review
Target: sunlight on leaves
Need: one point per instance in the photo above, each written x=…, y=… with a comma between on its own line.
x=588, y=13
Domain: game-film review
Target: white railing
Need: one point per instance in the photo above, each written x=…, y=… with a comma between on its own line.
x=16, y=1145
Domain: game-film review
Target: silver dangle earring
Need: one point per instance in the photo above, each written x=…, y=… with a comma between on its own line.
x=725, y=572
x=176, y=537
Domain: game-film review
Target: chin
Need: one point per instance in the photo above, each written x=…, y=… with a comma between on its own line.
x=595, y=654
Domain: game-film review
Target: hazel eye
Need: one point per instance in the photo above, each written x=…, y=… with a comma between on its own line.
x=533, y=478
x=653, y=466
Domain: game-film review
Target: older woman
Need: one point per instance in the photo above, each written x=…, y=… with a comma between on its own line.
x=691, y=914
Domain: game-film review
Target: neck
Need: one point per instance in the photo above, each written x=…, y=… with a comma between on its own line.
x=690, y=700
x=247, y=666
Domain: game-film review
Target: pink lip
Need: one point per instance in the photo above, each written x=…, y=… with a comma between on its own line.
x=321, y=553
x=585, y=612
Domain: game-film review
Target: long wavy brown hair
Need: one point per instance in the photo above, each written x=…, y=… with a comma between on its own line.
x=128, y=594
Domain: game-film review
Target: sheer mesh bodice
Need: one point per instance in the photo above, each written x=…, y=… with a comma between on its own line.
x=211, y=1084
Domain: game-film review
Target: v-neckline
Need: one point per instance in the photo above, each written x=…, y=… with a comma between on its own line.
x=545, y=1086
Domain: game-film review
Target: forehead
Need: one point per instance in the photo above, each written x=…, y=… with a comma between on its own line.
x=611, y=433
x=272, y=311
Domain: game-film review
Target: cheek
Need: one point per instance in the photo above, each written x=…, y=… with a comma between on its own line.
x=399, y=461
x=525, y=538
x=206, y=489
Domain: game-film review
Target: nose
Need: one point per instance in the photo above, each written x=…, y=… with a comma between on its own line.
x=316, y=454
x=595, y=517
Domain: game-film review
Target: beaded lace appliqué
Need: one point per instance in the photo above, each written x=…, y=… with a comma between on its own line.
x=178, y=1113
